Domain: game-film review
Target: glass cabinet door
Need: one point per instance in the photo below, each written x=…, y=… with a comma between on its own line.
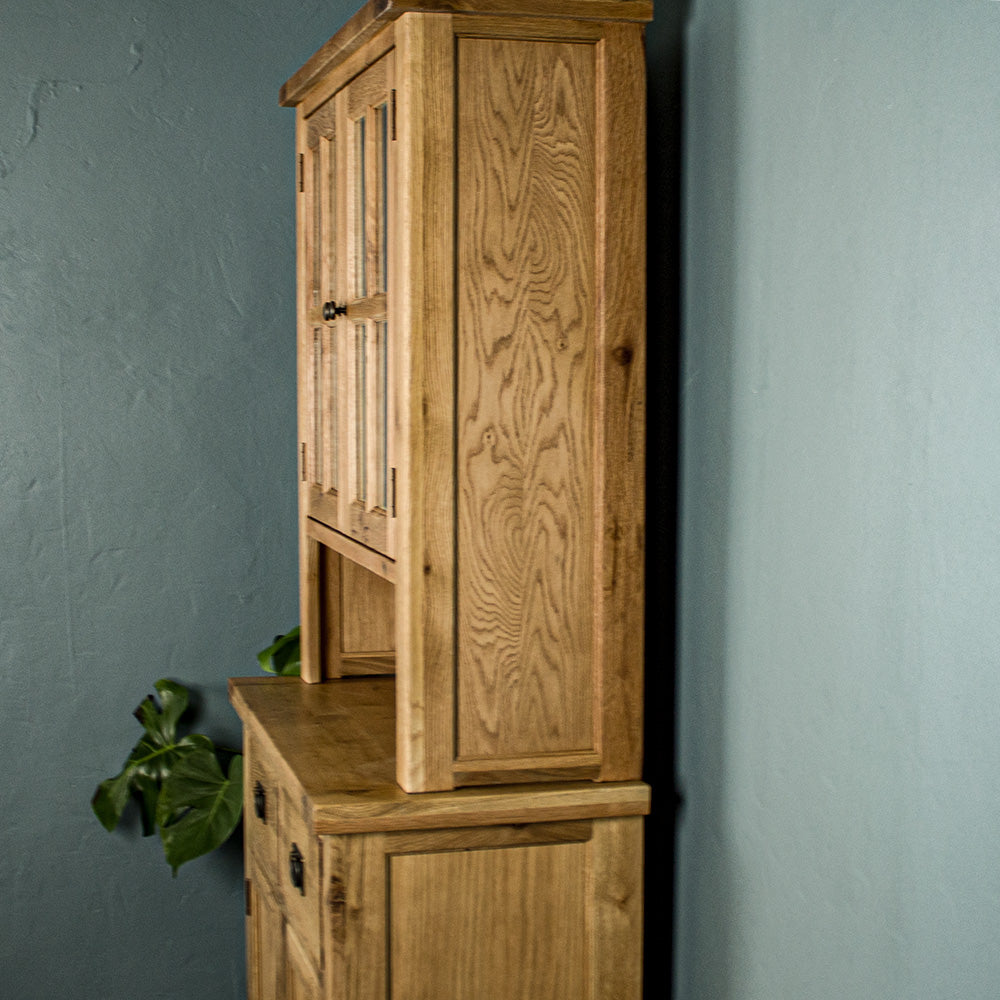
x=321, y=451
x=347, y=233
x=368, y=120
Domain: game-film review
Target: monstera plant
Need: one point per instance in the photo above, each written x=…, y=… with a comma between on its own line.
x=186, y=787
x=284, y=656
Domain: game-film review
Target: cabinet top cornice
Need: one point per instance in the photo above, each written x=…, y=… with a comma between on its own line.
x=377, y=13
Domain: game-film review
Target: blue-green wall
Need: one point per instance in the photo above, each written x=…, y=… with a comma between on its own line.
x=147, y=452
x=839, y=640
x=837, y=652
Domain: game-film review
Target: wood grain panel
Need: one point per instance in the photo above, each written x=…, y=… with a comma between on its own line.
x=302, y=981
x=621, y=453
x=525, y=407
x=616, y=922
x=331, y=619
x=265, y=944
x=310, y=604
x=506, y=923
x=369, y=610
x=354, y=917
x=423, y=315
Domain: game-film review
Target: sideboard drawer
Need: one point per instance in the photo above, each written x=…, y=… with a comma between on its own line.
x=261, y=793
x=299, y=873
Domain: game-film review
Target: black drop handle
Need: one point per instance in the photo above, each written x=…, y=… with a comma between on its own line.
x=260, y=802
x=331, y=310
x=296, y=869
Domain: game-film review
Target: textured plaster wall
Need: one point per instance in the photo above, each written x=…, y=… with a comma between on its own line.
x=840, y=540
x=147, y=452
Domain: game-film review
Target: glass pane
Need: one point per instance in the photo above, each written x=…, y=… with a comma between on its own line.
x=360, y=227
x=316, y=251
x=382, y=196
x=328, y=248
x=315, y=474
x=360, y=412
x=381, y=414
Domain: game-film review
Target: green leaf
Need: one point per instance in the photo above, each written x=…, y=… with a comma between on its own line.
x=199, y=807
x=151, y=758
x=178, y=782
x=155, y=760
x=148, y=793
x=161, y=724
x=110, y=799
x=284, y=655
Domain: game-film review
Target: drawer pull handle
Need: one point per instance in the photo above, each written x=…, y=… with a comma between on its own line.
x=296, y=869
x=260, y=802
x=331, y=311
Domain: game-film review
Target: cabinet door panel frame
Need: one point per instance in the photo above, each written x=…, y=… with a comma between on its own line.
x=346, y=490
x=430, y=665
x=365, y=512
x=379, y=886
x=344, y=361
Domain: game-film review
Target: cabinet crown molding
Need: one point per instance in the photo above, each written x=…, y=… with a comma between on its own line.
x=377, y=13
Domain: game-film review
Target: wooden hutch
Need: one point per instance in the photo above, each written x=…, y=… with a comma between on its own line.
x=447, y=805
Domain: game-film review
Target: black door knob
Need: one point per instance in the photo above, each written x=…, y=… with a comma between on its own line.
x=331, y=310
x=296, y=869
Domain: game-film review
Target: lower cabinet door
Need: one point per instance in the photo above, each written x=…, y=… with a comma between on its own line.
x=533, y=912
x=265, y=944
x=278, y=965
x=302, y=982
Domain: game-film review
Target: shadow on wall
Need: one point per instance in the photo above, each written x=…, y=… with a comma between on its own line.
x=665, y=69
x=705, y=405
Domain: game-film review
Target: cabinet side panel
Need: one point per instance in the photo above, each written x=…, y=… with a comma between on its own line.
x=616, y=909
x=621, y=268
x=506, y=923
x=525, y=407
x=265, y=945
x=423, y=316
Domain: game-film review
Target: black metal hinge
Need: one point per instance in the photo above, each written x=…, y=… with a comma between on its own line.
x=248, y=896
x=302, y=172
x=302, y=454
x=393, y=482
x=393, y=115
